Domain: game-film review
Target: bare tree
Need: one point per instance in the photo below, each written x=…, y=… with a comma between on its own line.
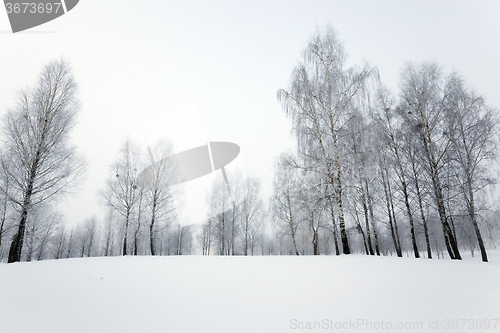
x=389, y=203
x=60, y=243
x=121, y=193
x=251, y=211
x=5, y=192
x=416, y=175
x=87, y=233
x=474, y=144
x=109, y=234
x=71, y=243
x=205, y=237
x=361, y=171
x=397, y=145
x=53, y=222
x=139, y=216
x=320, y=100
x=258, y=233
x=41, y=226
x=312, y=207
x=159, y=192
x=423, y=98
x=183, y=240
x=42, y=164
x=219, y=201
x=285, y=203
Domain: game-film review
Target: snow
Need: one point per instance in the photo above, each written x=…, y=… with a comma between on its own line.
x=249, y=294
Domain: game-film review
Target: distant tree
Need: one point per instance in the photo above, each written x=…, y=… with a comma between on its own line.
x=109, y=234
x=87, y=234
x=492, y=224
x=312, y=207
x=258, y=234
x=159, y=193
x=71, y=243
x=205, y=237
x=182, y=240
x=139, y=220
x=41, y=227
x=53, y=222
x=219, y=201
x=41, y=163
x=251, y=212
x=60, y=243
x=121, y=193
x=286, y=200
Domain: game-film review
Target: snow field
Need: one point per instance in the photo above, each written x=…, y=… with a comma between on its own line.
x=249, y=294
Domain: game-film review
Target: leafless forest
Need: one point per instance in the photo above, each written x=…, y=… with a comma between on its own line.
x=401, y=173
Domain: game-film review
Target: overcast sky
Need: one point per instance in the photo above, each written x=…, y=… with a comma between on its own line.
x=209, y=70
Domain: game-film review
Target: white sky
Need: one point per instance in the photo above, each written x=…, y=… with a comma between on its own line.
x=220, y=64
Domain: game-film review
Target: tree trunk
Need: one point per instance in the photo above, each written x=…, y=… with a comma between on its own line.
x=136, y=234
x=151, y=225
x=315, y=242
x=70, y=244
x=372, y=218
x=4, y=212
x=291, y=221
x=335, y=239
x=472, y=215
x=422, y=215
x=294, y=243
x=151, y=235
x=398, y=240
x=180, y=232
x=222, y=233
x=343, y=234
x=450, y=241
x=367, y=225
x=388, y=200
x=245, y=250
x=17, y=242
x=410, y=218
x=360, y=230
x=233, y=232
x=126, y=232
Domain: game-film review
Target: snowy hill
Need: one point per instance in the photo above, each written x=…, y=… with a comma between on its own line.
x=250, y=294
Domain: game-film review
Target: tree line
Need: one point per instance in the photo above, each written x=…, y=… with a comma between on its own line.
x=374, y=172
x=407, y=171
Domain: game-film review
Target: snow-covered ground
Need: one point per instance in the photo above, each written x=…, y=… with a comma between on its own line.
x=353, y=293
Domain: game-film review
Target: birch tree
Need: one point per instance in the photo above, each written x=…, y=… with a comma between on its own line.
x=312, y=207
x=251, y=211
x=219, y=203
x=42, y=163
x=397, y=144
x=423, y=97
x=121, y=193
x=474, y=144
x=319, y=102
x=285, y=202
x=158, y=191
